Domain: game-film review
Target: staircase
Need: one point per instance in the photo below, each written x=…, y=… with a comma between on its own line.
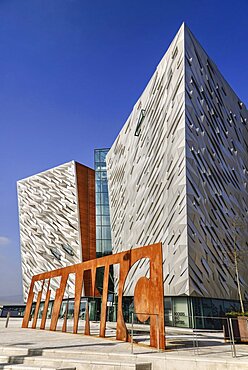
x=18, y=358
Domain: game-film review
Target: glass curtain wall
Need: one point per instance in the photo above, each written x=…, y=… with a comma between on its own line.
x=103, y=231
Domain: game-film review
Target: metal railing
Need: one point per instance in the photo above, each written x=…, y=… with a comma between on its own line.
x=211, y=336
x=14, y=320
x=225, y=331
x=207, y=335
x=206, y=332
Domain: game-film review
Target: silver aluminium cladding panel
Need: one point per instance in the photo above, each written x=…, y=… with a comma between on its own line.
x=49, y=224
x=217, y=165
x=177, y=174
x=147, y=174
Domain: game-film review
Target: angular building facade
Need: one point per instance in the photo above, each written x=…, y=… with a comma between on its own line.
x=57, y=221
x=177, y=174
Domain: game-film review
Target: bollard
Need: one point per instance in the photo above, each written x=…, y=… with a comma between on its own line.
x=7, y=320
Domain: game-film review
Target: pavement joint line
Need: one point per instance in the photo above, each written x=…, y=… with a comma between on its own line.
x=80, y=339
x=98, y=337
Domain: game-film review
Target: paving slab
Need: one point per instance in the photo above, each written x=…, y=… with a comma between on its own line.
x=212, y=352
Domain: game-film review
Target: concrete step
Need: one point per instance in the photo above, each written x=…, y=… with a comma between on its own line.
x=27, y=367
x=83, y=354
x=80, y=364
x=4, y=359
x=15, y=351
x=36, y=359
x=66, y=353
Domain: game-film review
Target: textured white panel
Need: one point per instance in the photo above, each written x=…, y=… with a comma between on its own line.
x=49, y=228
x=147, y=174
x=182, y=179
x=217, y=165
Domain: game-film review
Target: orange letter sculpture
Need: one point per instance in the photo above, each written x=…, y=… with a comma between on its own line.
x=148, y=295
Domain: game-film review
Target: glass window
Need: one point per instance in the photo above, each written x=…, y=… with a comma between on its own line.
x=50, y=309
x=71, y=310
x=231, y=306
x=104, y=187
x=103, y=154
x=198, y=320
x=217, y=308
x=97, y=156
x=106, y=234
x=106, y=246
x=101, y=166
x=98, y=198
x=98, y=186
x=98, y=232
x=98, y=245
x=98, y=175
x=105, y=210
x=102, y=204
x=106, y=220
x=104, y=175
x=101, y=186
x=168, y=311
x=181, y=313
x=105, y=198
x=207, y=307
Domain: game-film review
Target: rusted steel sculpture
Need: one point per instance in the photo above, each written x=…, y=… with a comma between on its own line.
x=87, y=320
x=148, y=295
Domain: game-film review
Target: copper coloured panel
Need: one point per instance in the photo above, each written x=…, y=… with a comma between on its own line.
x=87, y=218
x=37, y=306
x=86, y=202
x=148, y=297
x=78, y=294
x=64, y=327
x=87, y=320
x=104, y=302
x=45, y=309
x=28, y=305
x=58, y=299
x=142, y=299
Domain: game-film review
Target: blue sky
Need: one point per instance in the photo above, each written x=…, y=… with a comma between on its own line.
x=70, y=72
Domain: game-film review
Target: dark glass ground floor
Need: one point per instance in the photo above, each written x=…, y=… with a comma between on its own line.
x=190, y=312
x=187, y=312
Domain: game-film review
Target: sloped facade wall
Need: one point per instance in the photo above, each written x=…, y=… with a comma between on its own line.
x=49, y=224
x=147, y=175
x=217, y=165
x=177, y=174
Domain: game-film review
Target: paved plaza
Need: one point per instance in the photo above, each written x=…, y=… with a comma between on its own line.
x=31, y=349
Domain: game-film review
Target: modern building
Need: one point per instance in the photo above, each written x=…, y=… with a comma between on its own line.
x=177, y=174
x=57, y=222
